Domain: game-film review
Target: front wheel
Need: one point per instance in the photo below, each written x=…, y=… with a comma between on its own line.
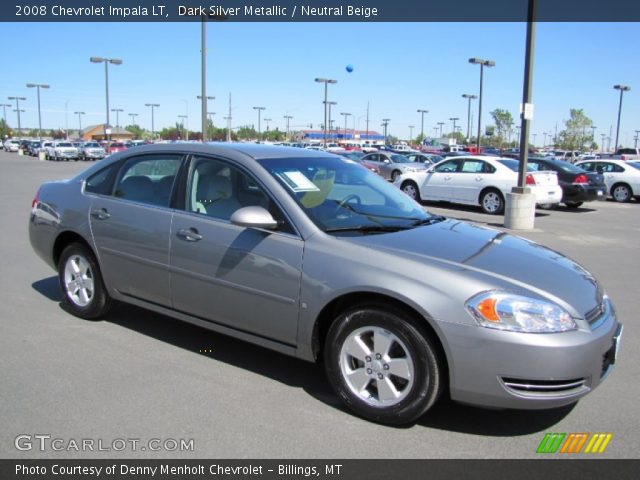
x=411, y=189
x=492, y=202
x=573, y=204
x=381, y=364
x=83, y=290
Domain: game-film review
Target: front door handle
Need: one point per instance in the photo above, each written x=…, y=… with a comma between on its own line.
x=189, y=234
x=448, y=177
x=478, y=178
x=100, y=214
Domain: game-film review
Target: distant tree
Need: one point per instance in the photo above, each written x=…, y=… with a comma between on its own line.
x=247, y=133
x=577, y=131
x=459, y=137
x=274, y=135
x=137, y=131
x=5, y=130
x=418, y=140
x=503, y=123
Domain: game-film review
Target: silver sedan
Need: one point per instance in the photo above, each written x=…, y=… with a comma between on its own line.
x=311, y=255
x=392, y=165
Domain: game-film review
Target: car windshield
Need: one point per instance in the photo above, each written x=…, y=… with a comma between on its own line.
x=514, y=164
x=117, y=145
x=91, y=145
x=64, y=144
x=339, y=196
x=635, y=165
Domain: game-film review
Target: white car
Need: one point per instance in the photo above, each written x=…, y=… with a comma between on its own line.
x=478, y=180
x=62, y=151
x=11, y=145
x=622, y=178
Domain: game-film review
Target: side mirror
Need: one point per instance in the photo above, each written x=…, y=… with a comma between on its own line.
x=386, y=160
x=254, y=217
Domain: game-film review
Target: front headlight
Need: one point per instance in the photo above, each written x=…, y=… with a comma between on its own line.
x=518, y=313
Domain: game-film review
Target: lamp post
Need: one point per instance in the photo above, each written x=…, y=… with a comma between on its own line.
x=411, y=127
x=345, y=115
x=17, y=110
x=117, y=110
x=287, y=118
x=205, y=108
x=622, y=88
x=534, y=135
x=133, y=118
x=326, y=82
x=4, y=108
x=454, y=120
x=153, y=106
x=482, y=63
x=440, y=124
x=106, y=61
x=38, y=86
x=79, y=123
x=267, y=120
x=593, y=134
x=328, y=104
x=183, y=119
x=469, y=97
x=259, y=109
x=422, y=112
x=385, y=123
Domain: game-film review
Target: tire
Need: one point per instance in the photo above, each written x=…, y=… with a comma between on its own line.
x=573, y=204
x=83, y=295
x=411, y=189
x=492, y=202
x=363, y=378
x=395, y=175
x=621, y=192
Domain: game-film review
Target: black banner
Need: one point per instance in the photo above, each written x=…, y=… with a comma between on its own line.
x=334, y=469
x=317, y=11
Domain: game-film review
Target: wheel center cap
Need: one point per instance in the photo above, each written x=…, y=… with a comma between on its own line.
x=377, y=366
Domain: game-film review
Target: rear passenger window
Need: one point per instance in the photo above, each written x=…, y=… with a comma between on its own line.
x=148, y=179
x=101, y=181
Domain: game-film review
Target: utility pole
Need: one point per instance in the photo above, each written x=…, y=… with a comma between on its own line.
x=287, y=118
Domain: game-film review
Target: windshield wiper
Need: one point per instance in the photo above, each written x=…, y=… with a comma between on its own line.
x=368, y=228
x=428, y=221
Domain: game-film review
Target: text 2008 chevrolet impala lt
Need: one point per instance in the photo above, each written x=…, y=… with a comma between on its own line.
x=314, y=256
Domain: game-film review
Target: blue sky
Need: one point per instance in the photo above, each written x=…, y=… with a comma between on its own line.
x=398, y=68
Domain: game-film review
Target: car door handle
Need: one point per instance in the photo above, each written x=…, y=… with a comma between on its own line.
x=101, y=214
x=448, y=177
x=478, y=178
x=189, y=234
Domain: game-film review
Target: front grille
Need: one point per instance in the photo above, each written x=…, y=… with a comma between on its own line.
x=544, y=388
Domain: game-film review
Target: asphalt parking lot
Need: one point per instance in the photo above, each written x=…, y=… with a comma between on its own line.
x=140, y=375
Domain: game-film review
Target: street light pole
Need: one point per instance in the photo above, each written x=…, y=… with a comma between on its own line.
x=259, y=109
x=117, y=110
x=411, y=127
x=183, y=117
x=133, y=118
x=440, y=124
x=345, y=115
x=385, y=123
x=152, y=105
x=422, y=112
x=17, y=110
x=79, y=123
x=38, y=87
x=454, y=120
x=469, y=97
x=206, y=109
x=106, y=62
x=482, y=63
x=287, y=118
x=4, y=108
x=622, y=88
x=329, y=104
x=326, y=82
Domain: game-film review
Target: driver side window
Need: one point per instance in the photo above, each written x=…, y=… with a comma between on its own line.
x=450, y=166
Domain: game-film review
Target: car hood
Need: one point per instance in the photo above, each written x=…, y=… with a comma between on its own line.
x=518, y=262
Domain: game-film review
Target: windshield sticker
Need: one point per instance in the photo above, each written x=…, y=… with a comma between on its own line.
x=298, y=182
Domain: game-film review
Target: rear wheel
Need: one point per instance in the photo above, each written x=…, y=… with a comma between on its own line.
x=411, y=189
x=621, y=192
x=492, y=202
x=381, y=364
x=81, y=283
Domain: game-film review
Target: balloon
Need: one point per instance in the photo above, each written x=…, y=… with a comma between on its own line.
x=349, y=68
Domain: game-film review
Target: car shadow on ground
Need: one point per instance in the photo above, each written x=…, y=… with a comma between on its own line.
x=445, y=415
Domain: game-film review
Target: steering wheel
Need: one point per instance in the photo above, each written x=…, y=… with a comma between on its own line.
x=343, y=204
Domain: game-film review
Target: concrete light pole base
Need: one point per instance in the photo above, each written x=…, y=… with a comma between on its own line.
x=520, y=210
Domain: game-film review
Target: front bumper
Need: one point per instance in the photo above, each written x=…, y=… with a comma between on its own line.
x=501, y=369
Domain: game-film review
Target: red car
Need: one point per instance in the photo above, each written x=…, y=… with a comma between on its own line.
x=116, y=147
